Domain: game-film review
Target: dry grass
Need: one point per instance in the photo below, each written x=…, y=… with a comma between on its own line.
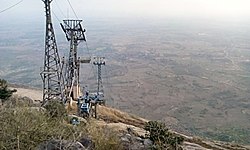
x=115, y=116
x=26, y=128
x=103, y=137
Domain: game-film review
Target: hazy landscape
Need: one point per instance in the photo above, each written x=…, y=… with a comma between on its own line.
x=193, y=75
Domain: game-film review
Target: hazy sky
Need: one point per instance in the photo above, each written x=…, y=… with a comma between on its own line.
x=131, y=8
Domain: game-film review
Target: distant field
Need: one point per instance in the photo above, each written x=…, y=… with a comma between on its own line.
x=194, y=76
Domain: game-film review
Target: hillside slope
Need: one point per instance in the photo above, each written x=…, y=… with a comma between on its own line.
x=121, y=121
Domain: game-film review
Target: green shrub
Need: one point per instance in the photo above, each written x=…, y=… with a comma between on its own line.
x=161, y=137
x=5, y=93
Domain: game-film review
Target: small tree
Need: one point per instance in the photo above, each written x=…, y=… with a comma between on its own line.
x=5, y=93
x=161, y=137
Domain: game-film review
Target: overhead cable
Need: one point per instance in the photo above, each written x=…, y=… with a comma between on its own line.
x=11, y=6
x=56, y=16
x=72, y=9
x=60, y=9
x=92, y=66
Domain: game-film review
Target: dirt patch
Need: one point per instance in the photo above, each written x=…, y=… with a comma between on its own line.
x=34, y=94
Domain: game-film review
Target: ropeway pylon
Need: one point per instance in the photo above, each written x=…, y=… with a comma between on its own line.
x=52, y=71
x=75, y=34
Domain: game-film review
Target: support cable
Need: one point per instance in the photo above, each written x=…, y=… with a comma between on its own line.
x=88, y=74
x=92, y=66
x=60, y=9
x=72, y=9
x=56, y=16
x=107, y=79
x=11, y=6
x=108, y=86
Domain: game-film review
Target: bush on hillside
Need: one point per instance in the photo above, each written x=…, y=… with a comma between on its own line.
x=161, y=137
x=5, y=92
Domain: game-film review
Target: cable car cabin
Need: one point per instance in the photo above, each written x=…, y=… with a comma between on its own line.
x=94, y=95
x=97, y=98
x=84, y=60
x=85, y=107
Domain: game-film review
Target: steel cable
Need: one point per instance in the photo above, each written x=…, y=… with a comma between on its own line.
x=11, y=6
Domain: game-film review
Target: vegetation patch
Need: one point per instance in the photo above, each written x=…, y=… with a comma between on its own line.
x=5, y=92
x=230, y=134
x=26, y=128
x=161, y=137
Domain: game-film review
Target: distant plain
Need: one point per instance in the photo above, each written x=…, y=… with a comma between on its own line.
x=193, y=75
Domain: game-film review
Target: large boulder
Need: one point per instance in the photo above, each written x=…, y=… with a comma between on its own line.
x=132, y=142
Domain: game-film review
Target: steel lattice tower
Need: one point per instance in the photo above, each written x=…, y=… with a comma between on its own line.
x=75, y=34
x=52, y=72
x=99, y=61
